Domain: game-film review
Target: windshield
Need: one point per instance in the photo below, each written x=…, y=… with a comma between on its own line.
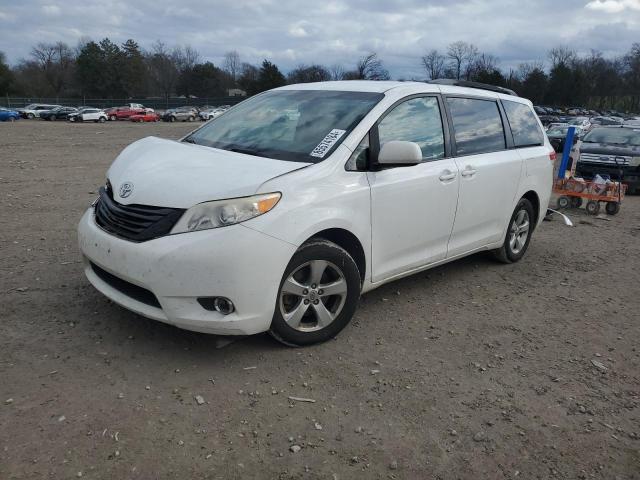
x=293, y=125
x=618, y=136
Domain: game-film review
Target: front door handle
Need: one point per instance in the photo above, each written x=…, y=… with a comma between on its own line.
x=468, y=171
x=447, y=175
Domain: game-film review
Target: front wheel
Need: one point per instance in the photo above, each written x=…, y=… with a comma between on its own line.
x=113, y=118
x=102, y=119
x=318, y=294
x=518, y=234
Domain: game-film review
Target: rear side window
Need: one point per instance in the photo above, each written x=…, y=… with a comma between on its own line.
x=523, y=123
x=477, y=125
x=417, y=120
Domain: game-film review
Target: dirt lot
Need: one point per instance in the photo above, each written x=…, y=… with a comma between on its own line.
x=474, y=370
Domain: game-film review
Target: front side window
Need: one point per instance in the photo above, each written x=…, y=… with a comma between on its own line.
x=417, y=120
x=477, y=125
x=524, y=125
x=293, y=125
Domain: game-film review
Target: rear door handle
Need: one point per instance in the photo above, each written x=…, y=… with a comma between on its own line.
x=447, y=175
x=468, y=172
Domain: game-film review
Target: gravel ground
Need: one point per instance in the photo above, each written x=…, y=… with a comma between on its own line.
x=471, y=370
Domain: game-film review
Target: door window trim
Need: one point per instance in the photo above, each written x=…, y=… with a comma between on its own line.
x=374, y=137
x=506, y=129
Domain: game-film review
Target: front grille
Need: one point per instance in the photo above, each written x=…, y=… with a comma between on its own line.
x=602, y=158
x=140, y=294
x=137, y=223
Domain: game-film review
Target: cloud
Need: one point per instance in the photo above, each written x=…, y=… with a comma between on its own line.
x=290, y=32
x=613, y=6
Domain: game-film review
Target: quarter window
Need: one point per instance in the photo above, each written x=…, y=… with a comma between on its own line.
x=477, y=125
x=417, y=120
x=523, y=123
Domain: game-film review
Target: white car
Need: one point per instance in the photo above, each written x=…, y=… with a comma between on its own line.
x=211, y=113
x=89, y=115
x=267, y=221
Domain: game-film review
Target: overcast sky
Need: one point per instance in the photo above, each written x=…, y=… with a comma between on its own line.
x=291, y=32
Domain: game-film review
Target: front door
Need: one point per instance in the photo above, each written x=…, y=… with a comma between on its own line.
x=412, y=207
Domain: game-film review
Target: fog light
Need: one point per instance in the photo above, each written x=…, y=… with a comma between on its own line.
x=218, y=304
x=223, y=305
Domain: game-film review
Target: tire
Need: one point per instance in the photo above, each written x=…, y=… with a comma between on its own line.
x=191, y=119
x=317, y=263
x=12, y=119
x=172, y=119
x=519, y=233
x=30, y=116
x=113, y=118
x=563, y=202
x=72, y=119
x=52, y=118
x=593, y=207
x=576, y=202
x=612, y=208
x=102, y=119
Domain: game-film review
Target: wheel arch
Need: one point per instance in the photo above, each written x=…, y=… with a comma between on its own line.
x=347, y=240
x=535, y=202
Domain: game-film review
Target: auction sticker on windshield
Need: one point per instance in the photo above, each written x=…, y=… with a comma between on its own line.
x=327, y=142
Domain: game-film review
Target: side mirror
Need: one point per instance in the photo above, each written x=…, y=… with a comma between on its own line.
x=397, y=152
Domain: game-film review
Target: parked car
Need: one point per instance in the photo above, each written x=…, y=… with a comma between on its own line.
x=124, y=112
x=145, y=117
x=88, y=115
x=59, y=113
x=213, y=112
x=600, y=121
x=33, y=110
x=548, y=119
x=607, y=150
x=256, y=222
x=557, y=135
x=582, y=122
x=182, y=114
x=7, y=115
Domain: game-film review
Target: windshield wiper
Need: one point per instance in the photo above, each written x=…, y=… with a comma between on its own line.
x=190, y=140
x=246, y=151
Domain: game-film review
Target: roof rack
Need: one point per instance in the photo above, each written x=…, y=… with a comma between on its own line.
x=466, y=83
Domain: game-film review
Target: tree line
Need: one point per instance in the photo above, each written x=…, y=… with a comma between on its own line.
x=106, y=69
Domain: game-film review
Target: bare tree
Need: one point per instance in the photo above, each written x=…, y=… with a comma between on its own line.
x=433, y=63
x=462, y=55
x=56, y=61
x=232, y=64
x=337, y=72
x=163, y=69
x=369, y=67
x=561, y=55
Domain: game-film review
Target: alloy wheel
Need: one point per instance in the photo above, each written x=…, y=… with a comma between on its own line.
x=519, y=231
x=313, y=296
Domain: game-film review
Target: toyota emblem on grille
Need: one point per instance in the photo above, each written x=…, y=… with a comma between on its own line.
x=126, y=189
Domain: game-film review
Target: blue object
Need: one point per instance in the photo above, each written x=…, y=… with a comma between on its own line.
x=568, y=144
x=6, y=114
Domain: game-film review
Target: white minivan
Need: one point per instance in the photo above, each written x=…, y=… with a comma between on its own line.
x=277, y=215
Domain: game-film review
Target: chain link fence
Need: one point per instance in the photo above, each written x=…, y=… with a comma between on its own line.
x=159, y=103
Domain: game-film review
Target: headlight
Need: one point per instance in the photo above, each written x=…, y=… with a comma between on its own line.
x=221, y=213
x=634, y=162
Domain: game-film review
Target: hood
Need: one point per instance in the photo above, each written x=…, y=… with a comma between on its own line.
x=610, y=149
x=167, y=173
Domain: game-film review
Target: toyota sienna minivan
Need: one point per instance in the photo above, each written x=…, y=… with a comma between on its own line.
x=277, y=215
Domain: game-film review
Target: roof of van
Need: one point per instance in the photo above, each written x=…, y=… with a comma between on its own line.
x=410, y=88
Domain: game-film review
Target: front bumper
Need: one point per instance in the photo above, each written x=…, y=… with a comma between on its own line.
x=236, y=262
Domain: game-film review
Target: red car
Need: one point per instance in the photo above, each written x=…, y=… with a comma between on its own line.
x=124, y=112
x=145, y=117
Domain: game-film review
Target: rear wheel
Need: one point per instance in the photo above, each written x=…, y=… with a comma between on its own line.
x=518, y=235
x=102, y=119
x=318, y=294
x=191, y=118
x=113, y=118
x=172, y=119
x=30, y=116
